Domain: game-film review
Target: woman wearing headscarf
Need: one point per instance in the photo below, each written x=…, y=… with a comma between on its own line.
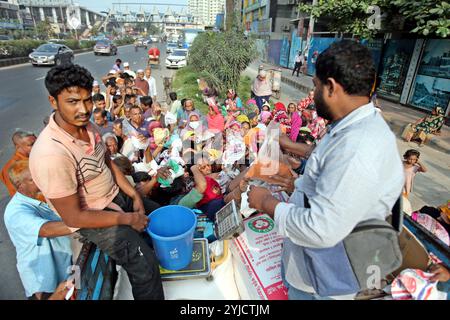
x=425, y=127
x=233, y=102
x=216, y=122
x=281, y=117
x=317, y=125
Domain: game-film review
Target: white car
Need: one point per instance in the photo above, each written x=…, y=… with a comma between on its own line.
x=177, y=59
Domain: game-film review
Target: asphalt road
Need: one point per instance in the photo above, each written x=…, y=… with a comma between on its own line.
x=24, y=104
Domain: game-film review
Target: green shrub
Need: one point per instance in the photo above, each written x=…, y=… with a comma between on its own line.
x=18, y=48
x=186, y=86
x=71, y=43
x=221, y=57
x=124, y=41
x=87, y=44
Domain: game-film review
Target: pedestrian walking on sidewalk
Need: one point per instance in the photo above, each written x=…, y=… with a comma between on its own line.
x=298, y=63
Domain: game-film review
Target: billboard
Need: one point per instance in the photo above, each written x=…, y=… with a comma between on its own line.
x=432, y=84
x=394, y=66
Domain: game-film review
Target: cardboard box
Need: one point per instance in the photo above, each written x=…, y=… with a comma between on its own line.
x=257, y=260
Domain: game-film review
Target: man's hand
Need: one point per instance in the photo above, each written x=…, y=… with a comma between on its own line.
x=138, y=205
x=441, y=273
x=62, y=290
x=138, y=221
x=262, y=200
x=163, y=173
x=285, y=184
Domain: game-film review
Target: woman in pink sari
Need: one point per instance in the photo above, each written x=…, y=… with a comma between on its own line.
x=215, y=119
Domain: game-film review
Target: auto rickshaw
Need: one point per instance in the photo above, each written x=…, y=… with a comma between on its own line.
x=153, y=56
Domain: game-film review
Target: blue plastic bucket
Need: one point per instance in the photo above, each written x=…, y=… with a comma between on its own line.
x=172, y=231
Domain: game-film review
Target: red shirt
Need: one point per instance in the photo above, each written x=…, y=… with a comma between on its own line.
x=209, y=194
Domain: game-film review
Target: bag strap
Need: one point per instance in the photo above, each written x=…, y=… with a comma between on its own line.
x=397, y=212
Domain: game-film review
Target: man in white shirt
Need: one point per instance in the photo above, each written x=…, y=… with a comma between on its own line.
x=126, y=69
x=151, y=83
x=298, y=63
x=353, y=175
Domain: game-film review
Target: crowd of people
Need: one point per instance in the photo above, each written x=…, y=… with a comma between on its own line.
x=106, y=159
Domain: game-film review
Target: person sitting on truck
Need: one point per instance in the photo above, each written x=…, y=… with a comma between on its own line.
x=41, y=239
x=71, y=166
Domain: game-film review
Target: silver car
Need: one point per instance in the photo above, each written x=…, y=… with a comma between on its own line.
x=105, y=47
x=51, y=54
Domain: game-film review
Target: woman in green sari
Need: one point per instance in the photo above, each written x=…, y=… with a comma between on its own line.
x=423, y=127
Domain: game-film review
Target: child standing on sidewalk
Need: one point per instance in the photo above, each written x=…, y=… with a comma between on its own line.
x=411, y=166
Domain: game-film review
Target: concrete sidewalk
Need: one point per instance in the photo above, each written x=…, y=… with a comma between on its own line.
x=396, y=115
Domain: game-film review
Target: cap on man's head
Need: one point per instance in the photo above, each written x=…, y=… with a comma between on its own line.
x=126, y=64
x=140, y=71
x=262, y=73
x=95, y=83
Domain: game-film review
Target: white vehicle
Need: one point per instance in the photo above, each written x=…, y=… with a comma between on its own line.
x=177, y=59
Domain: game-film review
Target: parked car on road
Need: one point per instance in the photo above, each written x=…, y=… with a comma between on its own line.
x=105, y=46
x=51, y=54
x=177, y=59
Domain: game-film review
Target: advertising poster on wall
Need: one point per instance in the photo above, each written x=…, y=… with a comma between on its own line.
x=317, y=45
x=394, y=67
x=284, y=54
x=375, y=47
x=430, y=92
x=432, y=85
x=296, y=45
x=436, y=59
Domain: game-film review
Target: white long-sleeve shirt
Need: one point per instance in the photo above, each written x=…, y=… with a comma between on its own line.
x=354, y=174
x=152, y=86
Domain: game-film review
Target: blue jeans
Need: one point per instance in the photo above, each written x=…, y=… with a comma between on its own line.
x=259, y=101
x=296, y=294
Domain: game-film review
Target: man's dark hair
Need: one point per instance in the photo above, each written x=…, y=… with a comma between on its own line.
x=101, y=111
x=119, y=121
x=350, y=64
x=128, y=97
x=116, y=98
x=118, y=60
x=135, y=106
x=98, y=97
x=66, y=76
x=411, y=152
x=173, y=96
x=183, y=101
x=146, y=101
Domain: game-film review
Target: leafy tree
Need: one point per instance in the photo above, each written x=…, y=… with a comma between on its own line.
x=44, y=29
x=425, y=17
x=221, y=57
x=430, y=16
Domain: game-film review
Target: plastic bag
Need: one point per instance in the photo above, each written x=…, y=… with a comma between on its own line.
x=176, y=171
x=269, y=161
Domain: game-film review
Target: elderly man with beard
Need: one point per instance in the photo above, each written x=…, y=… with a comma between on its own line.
x=353, y=175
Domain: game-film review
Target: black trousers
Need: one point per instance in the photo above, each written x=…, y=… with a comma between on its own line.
x=130, y=250
x=297, y=67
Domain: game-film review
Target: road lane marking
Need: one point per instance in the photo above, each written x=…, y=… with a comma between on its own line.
x=98, y=60
x=40, y=78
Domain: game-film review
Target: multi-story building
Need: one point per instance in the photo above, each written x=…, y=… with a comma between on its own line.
x=205, y=11
x=9, y=15
x=57, y=12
